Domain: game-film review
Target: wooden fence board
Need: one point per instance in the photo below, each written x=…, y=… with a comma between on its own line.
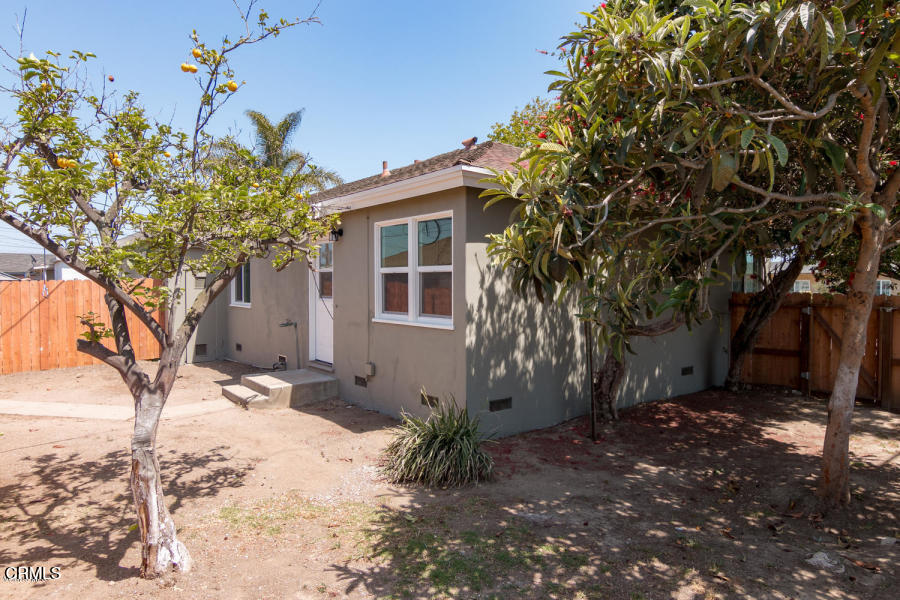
x=800, y=346
x=39, y=325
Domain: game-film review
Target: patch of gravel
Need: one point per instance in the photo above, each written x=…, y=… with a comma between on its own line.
x=357, y=485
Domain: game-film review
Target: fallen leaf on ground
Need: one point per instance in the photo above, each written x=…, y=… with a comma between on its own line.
x=865, y=565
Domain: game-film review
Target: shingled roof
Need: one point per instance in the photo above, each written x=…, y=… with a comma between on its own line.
x=488, y=155
x=20, y=263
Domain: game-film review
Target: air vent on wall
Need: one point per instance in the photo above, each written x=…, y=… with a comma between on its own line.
x=200, y=349
x=500, y=404
x=687, y=370
x=361, y=381
x=238, y=347
x=431, y=401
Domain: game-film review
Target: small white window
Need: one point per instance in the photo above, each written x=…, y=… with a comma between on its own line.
x=414, y=270
x=802, y=286
x=883, y=288
x=240, y=287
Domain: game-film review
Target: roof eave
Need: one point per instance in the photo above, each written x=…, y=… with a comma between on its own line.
x=427, y=183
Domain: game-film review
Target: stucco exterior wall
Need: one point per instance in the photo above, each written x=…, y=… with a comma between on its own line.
x=407, y=357
x=275, y=297
x=534, y=354
x=681, y=362
x=210, y=330
x=516, y=347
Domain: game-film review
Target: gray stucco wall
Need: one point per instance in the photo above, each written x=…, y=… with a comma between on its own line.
x=655, y=371
x=535, y=353
x=275, y=297
x=210, y=330
x=516, y=347
x=407, y=357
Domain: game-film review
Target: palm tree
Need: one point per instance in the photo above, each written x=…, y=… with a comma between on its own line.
x=272, y=147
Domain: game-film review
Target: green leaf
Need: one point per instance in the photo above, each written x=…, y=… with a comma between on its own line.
x=780, y=148
x=746, y=137
x=836, y=155
x=724, y=167
x=553, y=147
x=840, y=27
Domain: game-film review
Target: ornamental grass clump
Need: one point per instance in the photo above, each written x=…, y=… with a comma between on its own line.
x=444, y=450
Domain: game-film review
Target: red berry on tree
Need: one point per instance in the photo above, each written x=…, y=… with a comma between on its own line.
x=543, y=135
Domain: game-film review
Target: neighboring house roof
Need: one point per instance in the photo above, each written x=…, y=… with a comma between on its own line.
x=15, y=263
x=476, y=158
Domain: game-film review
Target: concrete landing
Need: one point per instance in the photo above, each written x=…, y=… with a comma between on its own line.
x=282, y=389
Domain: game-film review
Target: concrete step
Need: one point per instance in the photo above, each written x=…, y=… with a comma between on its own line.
x=295, y=388
x=241, y=395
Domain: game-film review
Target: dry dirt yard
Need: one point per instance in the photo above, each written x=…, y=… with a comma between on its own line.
x=702, y=496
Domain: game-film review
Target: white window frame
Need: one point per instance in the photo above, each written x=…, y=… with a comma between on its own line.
x=234, y=300
x=803, y=283
x=413, y=271
x=881, y=284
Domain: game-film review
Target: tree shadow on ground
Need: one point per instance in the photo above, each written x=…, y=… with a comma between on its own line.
x=53, y=520
x=707, y=495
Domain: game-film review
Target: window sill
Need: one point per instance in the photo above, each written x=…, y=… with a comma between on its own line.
x=240, y=305
x=429, y=325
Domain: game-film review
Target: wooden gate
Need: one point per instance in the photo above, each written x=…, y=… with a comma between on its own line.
x=39, y=325
x=800, y=346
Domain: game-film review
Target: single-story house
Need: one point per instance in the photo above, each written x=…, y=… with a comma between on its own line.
x=406, y=299
x=21, y=265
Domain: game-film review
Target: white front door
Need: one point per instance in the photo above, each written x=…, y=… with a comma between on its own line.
x=321, y=314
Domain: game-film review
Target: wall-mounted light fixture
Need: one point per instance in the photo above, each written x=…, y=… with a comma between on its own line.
x=335, y=234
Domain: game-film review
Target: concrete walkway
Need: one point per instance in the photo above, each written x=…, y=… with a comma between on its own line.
x=108, y=412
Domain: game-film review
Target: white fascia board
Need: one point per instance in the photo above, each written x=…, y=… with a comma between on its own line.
x=437, y=181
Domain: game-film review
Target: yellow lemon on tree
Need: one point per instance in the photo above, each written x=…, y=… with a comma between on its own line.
x=232, y=86
x=256, y=185
x=185, y=67
x=197, y=52
x=192, y=68
x=61, y=162
x=167, y=154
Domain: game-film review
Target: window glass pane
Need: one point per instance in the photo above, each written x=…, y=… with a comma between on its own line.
x=436, y=242
x=437, y=296
x=239, y=285
x=247, y=283
x=325, y=256
x=395, y=293
x=395, y=246
x=325, y=284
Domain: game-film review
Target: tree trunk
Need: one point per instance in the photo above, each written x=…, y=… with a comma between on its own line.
x=161, y=551
x=763, y=305
x=607, y=381
x=834, y=486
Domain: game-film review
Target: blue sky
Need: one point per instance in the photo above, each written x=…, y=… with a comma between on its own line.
x=392, y=80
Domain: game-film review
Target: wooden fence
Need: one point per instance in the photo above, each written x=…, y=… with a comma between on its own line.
x=39, y=325
x=800, y=346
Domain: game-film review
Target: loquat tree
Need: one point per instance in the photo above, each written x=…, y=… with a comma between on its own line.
x=687, y=128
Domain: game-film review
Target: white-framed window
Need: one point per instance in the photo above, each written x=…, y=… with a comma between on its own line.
x=802, y=286
x=414, y=270
x=240, y=287
x=883, y=287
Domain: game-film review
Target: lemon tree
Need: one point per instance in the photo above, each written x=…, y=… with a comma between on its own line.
x=117, y=197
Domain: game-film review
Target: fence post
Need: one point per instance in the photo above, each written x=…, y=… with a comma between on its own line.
x=805, y=346
x=885, y=356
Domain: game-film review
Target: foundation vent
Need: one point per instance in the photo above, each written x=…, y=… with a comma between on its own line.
x=687, y=370
x=500, y=404
x=431, y=401
x=361, y=381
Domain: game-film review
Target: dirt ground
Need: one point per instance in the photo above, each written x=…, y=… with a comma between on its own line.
x=701, y=496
